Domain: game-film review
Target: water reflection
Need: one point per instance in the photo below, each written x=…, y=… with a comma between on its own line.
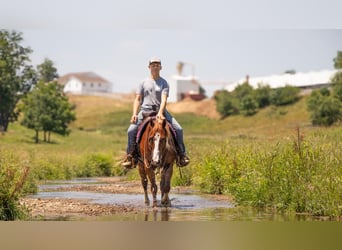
x=157, y=215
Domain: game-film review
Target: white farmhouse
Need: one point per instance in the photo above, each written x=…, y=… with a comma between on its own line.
x=84, y=83
x=305, y=81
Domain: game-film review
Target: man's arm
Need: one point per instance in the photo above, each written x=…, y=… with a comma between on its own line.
x=160, y=114
x=136, y=106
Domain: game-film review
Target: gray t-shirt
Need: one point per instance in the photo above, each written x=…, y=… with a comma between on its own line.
x=151, y=92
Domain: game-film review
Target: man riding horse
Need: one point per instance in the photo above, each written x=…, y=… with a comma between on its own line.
x=152, y=95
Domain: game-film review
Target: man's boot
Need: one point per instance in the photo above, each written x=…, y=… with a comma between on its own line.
x=182, y=160
x=128, y=161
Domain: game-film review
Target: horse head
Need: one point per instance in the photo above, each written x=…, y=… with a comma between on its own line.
x=158, y=140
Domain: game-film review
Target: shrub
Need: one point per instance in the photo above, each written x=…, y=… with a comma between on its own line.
x=325, y=110
x=14, y=173
x=285, y=95
x=97, y=165
x=248, y=105
x=226, y=104
x=262, y=95
x=212, y=173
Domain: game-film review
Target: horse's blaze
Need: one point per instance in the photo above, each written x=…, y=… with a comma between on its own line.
x=155, y=155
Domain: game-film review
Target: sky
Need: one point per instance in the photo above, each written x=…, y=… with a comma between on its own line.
x=221, y=41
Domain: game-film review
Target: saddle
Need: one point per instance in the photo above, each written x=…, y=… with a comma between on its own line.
x=147, y=117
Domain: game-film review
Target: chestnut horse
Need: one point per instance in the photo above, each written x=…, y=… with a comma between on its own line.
x=158, y=152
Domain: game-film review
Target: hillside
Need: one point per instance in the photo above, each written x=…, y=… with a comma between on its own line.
x=196, y=117
x=206, y=107
x=92, y=110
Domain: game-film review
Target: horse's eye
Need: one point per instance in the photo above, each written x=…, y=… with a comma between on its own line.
x=150, y=140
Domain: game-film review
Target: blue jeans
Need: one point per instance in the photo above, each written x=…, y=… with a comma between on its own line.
x=133, y=130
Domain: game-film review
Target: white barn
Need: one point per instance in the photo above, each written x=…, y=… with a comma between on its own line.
x=183, y=86
x=84, y=83
x=309, y=80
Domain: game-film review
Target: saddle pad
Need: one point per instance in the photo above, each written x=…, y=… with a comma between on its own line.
x=143, y=125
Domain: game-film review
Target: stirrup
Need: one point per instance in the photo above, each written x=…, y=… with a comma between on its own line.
x=183, y=161
x=129, y=162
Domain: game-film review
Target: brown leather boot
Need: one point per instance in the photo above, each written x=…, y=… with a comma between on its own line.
x=183, y=161
x=128, y=161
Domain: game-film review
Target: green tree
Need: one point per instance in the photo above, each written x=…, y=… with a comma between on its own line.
x=337, y=79
x=325, y=105
x=16, y=76
x=325, y=109
x=47, y=71
x=248, y=105
x=47, y=109
x=284, y=95
x=338, y=60
x=226, y=103
x=262, y=95
x=243, y=90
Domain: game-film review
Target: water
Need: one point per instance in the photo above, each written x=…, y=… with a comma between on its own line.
x=184, y=206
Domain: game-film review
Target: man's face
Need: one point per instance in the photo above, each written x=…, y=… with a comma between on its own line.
x=155, y=67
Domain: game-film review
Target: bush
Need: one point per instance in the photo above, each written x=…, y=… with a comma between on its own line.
x=226, y=104
x=212, y=176
x=97, y=165
x=248, y=105
x=325, y=110
x=285, y=95
x=14, y=173
x=262, y=96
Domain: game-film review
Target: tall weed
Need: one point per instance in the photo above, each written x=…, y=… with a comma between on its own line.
x=15, y=180
x=304, y=176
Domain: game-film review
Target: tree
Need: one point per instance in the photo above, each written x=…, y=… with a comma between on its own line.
x=284, y=95
x=47, y=71
x=243, y=90
x=338, y=60
x=47, y=109
x=262, y=95
x=325, y=109
x=226, y=103
x=325, y=105
x=248, y=105
x=16, y=76
x=337, y=79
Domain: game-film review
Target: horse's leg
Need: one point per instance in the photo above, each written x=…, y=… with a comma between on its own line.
x=154, y=188
x=166, y=176
x=162, y=184
x=144, y=182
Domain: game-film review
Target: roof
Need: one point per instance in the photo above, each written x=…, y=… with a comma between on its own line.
x=90, y=77
x=298, y=80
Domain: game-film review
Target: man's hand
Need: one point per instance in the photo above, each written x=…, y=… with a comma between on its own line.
x=160, y=116
x=134, y=119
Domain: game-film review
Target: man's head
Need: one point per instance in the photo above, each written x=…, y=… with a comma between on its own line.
x=155, y=67
x=154, y=60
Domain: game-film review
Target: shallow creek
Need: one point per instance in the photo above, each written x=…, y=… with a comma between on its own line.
x=185, y=205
